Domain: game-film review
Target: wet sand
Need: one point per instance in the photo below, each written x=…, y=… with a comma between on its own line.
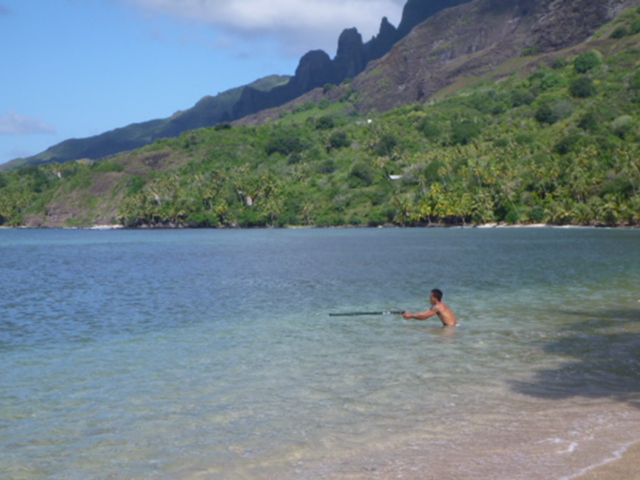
x=412, y=460
x=626, y=467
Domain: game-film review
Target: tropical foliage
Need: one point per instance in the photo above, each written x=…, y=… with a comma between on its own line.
x=559, y=144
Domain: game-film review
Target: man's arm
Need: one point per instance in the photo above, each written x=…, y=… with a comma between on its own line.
x=421, y=316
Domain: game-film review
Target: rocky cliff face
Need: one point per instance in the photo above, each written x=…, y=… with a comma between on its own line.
x=417, y=11
x=473, y=39
x=563, y=22
x=381, y=43
x=351, y=59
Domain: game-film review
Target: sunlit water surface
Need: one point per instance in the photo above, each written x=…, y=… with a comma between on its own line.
x=211, y=353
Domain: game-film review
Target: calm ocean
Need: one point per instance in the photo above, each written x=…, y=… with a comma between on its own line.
x=210, y=354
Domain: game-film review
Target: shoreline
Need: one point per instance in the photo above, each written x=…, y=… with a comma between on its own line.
x=304, y=227
x=623, y=465
x=392, y=461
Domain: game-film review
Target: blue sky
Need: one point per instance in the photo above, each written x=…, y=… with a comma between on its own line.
x=76, y=68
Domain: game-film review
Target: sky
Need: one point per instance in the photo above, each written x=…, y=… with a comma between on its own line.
x=77, y=68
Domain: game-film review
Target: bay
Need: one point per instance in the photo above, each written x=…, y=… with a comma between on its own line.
x=211, y=353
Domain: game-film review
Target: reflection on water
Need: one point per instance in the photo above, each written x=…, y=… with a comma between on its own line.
x=211, y=354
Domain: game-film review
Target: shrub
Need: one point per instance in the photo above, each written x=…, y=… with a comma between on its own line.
x=622, y=126
x=432, y=171
x=294, y=158
x=251, y=217
x=587, y=61
x=488, y=102
x=537, y=215
x=339, y=140
x=134, y=184
x=567, y=143
x=521, y=96
x=325, y=123
x=463, y=132
x=512, y=216
x=537, y=75
x=551, y=112
x=324, y=104
x=385, y=146
x=430, y=129
x=589, y=122
x=531, y=51
x=202, y=219
x=545, y=114
x=524, y=139
x=285, y=144
x=620, y=32
x=361, y=174
x=327, y=167
x=582, y=87
x=559, y=63
x=552, y=80
x=634, y=83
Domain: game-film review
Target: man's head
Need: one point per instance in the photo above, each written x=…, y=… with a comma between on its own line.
x=436, y=295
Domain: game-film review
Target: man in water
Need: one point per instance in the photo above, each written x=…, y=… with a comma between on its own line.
x=439, y=308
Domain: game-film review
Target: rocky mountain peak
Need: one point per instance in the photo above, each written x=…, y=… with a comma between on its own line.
x=351, y=58
x=311, y=71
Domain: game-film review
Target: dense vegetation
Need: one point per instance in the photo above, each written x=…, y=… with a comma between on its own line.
x=559, y=145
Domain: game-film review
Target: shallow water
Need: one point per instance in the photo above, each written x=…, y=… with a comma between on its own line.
x=211, y=353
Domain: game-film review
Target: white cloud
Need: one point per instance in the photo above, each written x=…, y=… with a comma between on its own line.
x=296, y=25
x=12, y=123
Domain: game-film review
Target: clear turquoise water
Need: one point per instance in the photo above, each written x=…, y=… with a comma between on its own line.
x=211, y=353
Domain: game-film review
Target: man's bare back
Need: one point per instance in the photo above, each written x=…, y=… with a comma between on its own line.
x=439, y=308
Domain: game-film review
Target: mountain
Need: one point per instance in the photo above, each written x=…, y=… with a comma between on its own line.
x=315, y=69
x=207, y=112
x=479, y=40
x=492, y=111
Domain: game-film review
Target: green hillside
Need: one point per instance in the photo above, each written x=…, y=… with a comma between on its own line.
x=556, y=140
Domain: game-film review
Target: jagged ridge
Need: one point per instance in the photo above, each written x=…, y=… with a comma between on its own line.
x=315, y=69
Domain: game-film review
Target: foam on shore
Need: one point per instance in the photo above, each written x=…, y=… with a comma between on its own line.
x=622, y=465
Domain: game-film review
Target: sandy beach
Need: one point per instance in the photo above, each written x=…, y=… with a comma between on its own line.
x=624, y=468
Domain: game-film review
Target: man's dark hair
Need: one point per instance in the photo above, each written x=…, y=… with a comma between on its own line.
x=437, y=293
